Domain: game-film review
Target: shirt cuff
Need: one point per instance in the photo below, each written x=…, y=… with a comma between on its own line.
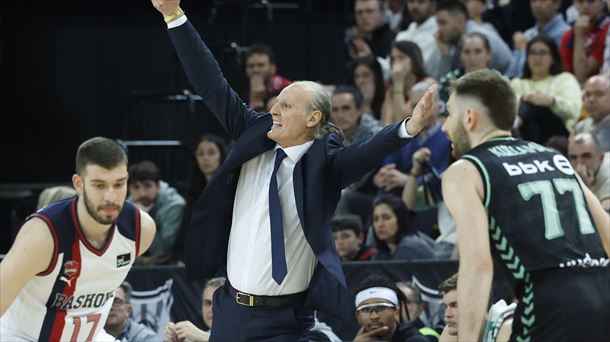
x=402, y=131
x=177, y=22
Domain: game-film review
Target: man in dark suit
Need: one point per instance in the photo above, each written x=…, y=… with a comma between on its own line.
x=274, y=194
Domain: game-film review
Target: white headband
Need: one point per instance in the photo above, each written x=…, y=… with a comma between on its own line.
x=377, y=292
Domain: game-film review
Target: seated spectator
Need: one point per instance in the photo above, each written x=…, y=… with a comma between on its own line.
x=549, y=22
x=164, y=204
x=120, y=324
x=476, y=8
x=475, y=54
x=429, y=195
x=453, y=24
x=423, y=27
x=393, y=175
x=394, y=235
x=397, y=15
x=367, y=76
x=596, y=100
x=349, y=238
x=348, y=115
x=185, y=330
x=370, y=35
x=414, y=308
x=592, y=164
x=550, y=99
x=378, y=307
x=407, y=70
x=261, y=70
x=210, y=153
x=53, y=194
x=499, y=320
x=582, y=46
x=448, y=290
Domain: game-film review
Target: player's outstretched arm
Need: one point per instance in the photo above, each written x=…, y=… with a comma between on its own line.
x=149, y=229
x=31, y=253
x=463, y=194
x=601, y=219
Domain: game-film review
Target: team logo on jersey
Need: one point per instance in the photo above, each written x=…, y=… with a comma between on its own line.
x=123, y=260
x=70, y=269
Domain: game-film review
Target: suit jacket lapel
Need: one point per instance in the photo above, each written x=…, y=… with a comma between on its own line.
x=297, y=181
x=252, y=143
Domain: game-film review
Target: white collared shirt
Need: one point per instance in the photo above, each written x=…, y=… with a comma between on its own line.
x=249, y=252
x=423, y=35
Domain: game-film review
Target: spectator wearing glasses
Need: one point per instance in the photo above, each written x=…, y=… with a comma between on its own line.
x=120, y=324
x=378, y=307
x=550, y=98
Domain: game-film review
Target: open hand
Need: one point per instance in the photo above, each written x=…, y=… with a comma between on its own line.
x=422, y=112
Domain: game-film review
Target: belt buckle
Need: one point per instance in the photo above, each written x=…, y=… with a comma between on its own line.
x=249, y=299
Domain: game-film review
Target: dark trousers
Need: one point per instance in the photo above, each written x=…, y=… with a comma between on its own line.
x=539, y=123
x=234, y=322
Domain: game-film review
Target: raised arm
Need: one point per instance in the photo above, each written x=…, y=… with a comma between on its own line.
x=204, y=73
x=462, y=192
x=352, y=162
x=31, y=253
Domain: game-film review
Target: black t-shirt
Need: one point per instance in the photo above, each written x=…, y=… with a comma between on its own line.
x=538, y=215
x=408, y=333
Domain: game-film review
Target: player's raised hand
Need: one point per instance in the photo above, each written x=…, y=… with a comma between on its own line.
x=422, y=111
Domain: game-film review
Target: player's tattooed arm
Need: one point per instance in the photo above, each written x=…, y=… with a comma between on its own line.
x=31, y=253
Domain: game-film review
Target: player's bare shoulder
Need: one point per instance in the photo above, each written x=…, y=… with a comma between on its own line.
x=35, y=243
x=149, y=229
x=462, y=175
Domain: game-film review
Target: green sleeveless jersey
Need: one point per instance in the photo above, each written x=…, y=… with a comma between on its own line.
x=538, y=216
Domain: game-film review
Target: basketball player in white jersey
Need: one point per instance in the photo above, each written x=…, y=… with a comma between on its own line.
x=57, y=281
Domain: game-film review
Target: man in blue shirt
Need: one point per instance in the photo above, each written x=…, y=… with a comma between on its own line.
x=549, y=22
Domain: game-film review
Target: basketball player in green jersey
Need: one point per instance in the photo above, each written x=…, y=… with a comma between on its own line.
x=523, y=204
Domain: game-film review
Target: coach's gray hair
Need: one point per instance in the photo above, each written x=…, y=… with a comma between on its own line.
x=320, y=100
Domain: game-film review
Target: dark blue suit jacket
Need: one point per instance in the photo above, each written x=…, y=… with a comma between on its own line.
x=325, y=169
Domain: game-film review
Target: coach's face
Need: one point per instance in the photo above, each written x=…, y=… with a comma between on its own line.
x=293, y=120
x=454, y=127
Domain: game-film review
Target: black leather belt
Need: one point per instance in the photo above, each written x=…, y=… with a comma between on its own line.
x=266, y=301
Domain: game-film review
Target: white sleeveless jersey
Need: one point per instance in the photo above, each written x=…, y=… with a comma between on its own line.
x=70, y=301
